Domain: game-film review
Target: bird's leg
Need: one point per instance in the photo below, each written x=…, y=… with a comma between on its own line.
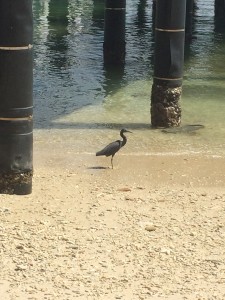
x=112, y=161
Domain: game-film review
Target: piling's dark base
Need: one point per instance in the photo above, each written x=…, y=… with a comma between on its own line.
x=16, y=183
x=114, y=54
x=165, y=108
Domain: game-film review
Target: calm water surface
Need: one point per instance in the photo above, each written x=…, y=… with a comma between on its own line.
x=81, y=104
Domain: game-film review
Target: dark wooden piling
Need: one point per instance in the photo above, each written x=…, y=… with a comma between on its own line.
x=98, y=12
x=168, y=63
x=58, y=12
x=16, y=105
x=153, y=13
x=189, y=20
x=114, y=32
x=219, y=5
x=220, y=16
x=58, y=32
x=141, y=13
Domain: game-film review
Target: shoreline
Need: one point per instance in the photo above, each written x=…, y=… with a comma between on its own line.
x=190, y=169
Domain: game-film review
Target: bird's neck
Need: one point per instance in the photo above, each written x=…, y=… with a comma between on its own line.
x=124, y=140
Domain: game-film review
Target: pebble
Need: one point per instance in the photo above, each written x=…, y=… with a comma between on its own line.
x=129, y=198
x=165, y=250
x=21, y=268
x=150, y=228
x=124, y=189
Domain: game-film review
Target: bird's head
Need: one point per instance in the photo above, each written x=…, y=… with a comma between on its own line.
x=124, y=130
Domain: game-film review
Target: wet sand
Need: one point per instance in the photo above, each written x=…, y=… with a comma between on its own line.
x=152, y=228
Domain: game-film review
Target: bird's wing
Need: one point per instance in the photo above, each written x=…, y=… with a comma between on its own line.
x=110, y=149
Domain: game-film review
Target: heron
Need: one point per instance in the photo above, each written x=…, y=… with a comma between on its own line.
x=112, y=148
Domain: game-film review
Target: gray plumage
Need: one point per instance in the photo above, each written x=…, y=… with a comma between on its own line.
x=112, y=148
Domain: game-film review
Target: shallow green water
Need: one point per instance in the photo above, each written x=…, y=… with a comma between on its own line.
x=82, y=105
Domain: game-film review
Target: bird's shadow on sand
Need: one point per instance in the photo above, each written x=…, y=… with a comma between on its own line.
x=98, y=168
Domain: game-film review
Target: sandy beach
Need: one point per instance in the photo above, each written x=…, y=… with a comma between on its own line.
x=152, y=228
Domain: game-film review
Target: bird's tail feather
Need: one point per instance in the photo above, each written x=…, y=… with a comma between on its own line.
x=99, y=153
